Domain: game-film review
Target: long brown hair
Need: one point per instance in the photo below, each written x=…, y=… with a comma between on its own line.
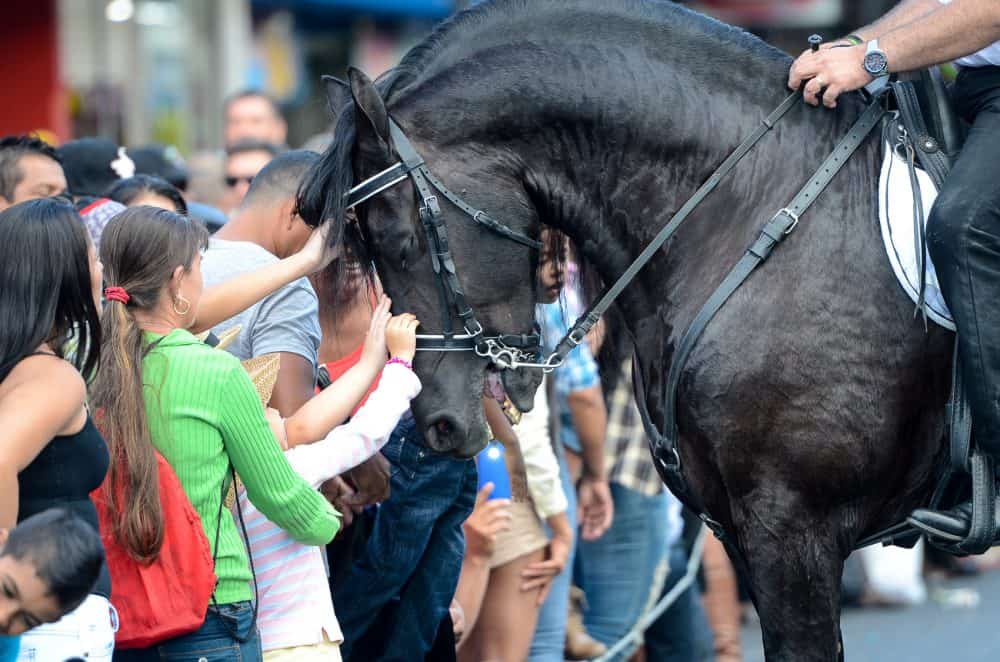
x=140, y=248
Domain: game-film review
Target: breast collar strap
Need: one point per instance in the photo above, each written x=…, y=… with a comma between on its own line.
x=505, y=350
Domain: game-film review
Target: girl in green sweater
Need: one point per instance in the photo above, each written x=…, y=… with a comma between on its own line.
x=160, y=387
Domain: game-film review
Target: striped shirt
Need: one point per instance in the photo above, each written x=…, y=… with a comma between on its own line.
x=295, y=606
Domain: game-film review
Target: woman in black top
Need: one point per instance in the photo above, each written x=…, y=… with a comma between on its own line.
x=50, y=452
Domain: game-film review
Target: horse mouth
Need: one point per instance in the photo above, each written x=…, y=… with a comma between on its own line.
x=493, y=388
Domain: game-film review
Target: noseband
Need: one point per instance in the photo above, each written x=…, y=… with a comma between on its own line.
x=506, y=351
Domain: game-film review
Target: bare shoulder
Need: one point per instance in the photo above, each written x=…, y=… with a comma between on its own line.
x=47, y=378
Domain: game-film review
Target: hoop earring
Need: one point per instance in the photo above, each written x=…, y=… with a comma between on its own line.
x=179, y=299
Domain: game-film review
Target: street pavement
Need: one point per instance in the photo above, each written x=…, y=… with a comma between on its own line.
x=931, y=632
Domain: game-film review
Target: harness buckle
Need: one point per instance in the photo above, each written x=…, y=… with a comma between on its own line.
x=477, y=330
x=577, y=335
x=430, y=206
x=790, y=214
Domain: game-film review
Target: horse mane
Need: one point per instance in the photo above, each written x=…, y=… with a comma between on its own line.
x=672, y=18
x=322, y=196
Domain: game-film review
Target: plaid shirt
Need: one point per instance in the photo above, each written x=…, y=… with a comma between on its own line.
x=626, y=449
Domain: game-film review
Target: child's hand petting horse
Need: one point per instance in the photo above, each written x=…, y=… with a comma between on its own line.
x=401, y=336
x=373, y=354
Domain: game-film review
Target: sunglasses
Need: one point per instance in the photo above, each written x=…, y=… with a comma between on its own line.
x=233, y=181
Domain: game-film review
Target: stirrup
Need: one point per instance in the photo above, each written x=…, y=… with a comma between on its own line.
x=982, y=524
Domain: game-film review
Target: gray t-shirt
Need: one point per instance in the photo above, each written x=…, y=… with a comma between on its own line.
x=285, y=321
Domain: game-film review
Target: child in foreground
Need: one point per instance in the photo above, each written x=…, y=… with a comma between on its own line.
x=294, y=597
x=48, y=566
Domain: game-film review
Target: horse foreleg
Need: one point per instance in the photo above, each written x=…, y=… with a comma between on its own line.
x=795, y=567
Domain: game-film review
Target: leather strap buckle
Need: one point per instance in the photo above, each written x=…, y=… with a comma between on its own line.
x=430, y=206
x=790, y=214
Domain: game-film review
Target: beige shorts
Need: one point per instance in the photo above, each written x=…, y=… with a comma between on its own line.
x=325, y=651
x=525, y=536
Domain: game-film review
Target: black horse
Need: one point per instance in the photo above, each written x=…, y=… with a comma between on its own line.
x=812, y=410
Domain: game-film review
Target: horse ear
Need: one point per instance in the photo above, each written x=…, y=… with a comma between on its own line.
x=372, y=117
x=338, y=93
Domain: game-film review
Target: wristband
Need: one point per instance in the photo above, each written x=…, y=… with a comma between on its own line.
x=854, y=39
x=400, y=361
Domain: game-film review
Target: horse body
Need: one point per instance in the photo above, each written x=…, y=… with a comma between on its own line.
x=811, y=411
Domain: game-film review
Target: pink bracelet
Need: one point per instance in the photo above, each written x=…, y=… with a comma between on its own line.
x=400, y=361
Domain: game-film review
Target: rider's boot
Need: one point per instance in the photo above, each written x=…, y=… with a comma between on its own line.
x=950, y=525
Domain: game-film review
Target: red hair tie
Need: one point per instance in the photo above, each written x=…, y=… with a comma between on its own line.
x=116, y=294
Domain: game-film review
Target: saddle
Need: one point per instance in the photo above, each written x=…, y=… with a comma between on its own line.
x=934, y=134
x=925, y=107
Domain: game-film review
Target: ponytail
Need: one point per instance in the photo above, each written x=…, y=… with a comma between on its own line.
x=134, y=495
x=140, y=249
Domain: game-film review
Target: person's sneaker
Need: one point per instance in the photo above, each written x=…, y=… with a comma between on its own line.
x=950, y=525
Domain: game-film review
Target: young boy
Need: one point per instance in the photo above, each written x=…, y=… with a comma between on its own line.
x=48, y=566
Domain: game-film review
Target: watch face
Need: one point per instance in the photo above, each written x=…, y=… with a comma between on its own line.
x=876, y=63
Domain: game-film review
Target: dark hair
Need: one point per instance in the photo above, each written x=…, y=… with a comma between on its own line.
x=140, y=248
x=12, y=148
x=45, y=288
x=65, y=551
x=244, y=146
x=128, y=190
x=252, y=94
x=281, y=177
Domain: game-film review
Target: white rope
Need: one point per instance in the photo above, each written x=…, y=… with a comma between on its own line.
x=634, y=636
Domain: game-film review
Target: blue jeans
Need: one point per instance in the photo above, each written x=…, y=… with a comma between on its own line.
x=681, y=633
x=617, y=572
x=404, y=581
x=212, y=642
x=550, y=633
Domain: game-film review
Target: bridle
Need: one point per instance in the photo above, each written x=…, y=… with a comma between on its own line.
x=505, y=351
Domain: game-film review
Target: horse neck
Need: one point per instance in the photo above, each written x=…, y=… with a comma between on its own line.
x=610, y=150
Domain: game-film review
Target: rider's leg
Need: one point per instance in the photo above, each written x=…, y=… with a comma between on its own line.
x=963, y=238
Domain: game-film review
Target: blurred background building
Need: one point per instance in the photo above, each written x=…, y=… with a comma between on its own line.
x=141, y=71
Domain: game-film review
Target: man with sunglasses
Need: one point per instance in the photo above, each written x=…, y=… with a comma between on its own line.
x=243, y=161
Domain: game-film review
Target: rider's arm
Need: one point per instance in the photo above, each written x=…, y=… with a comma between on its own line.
x=958, y=28
x=904, y=13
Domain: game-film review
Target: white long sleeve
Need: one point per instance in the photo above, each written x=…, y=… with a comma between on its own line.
x=540, y=463
x=352, y=443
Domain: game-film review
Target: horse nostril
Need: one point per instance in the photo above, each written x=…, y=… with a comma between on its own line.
x=444, y=432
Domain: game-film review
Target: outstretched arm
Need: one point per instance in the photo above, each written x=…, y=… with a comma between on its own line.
x=331, y=406
x=232, y=297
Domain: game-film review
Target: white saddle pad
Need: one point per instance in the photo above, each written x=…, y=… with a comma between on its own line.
x=895, y=209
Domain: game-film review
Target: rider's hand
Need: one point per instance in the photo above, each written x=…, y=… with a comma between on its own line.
x=401, y=336
x=595, y=508
x=315, y=251
x=539, y=576
x=488, y=519
x=838, y=70
x=373, y=353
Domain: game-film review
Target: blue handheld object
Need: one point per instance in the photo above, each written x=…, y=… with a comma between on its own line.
x=493, y=469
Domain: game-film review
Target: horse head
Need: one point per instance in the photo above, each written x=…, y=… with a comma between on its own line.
x=494, y=273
